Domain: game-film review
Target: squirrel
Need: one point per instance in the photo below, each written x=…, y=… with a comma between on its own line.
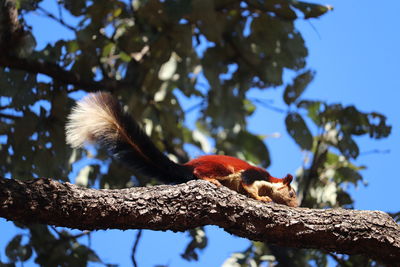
x=99, y=118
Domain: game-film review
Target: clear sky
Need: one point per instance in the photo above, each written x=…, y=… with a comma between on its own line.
x=355, y=52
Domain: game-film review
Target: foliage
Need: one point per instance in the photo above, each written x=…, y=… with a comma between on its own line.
x=153, y=54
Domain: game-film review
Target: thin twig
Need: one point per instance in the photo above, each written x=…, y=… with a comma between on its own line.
x=315, y=29
x=60, y=15
x=64, y=237
x=135, y=245
x=8, y=116
x=6, y=107
x=267, y=105
x=375, y=151
x=59, y=20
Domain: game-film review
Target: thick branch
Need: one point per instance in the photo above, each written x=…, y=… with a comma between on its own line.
x=57, y=73
x=199, y=203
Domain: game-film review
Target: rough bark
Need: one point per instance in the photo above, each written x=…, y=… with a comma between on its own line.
x=198, y=203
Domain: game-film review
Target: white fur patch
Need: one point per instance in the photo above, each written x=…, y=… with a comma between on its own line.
x=272, y=186
x=92, y=117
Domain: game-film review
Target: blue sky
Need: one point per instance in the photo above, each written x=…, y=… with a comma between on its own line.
x=355, y=52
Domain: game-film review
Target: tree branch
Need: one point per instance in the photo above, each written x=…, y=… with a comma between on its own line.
x=57, y=73
x=59, y=20
x=199, y=203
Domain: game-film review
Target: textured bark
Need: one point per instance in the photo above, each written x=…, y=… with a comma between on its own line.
x=199, y=203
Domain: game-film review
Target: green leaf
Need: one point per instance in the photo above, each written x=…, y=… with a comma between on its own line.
x=86, y=253
x=313, y=108
x=312, y=10
x=298, y=130
x=108, y=49
x=249, y=106
x=76, y=7
x=348, y=147
x=15, y=251
x=12, y=247
x=124, y=57
x=228, y=115
x=380, y=129
x=344, y=200
x=72, y=46
x=332, y=159
x=178, y=8
x=293, y=91
x=281, y=9
x=354, y=122
x=254, y=148
x=198, y=242
x=207, y=19
x=346, y=174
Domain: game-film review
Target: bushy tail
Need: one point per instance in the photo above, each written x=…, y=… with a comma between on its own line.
x=98, y=118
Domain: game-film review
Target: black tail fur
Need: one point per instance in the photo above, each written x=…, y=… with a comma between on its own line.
x=99, y=118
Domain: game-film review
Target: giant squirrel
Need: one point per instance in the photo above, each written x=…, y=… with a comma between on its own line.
x=98, y=118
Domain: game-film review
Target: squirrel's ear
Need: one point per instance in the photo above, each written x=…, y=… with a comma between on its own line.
x=288, y=179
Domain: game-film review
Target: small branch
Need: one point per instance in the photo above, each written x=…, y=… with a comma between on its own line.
x=59, y=20
x=69, y=237
x=268, y=105
x=8, y=116
x=60, y=14
x=199, y=203
x=375, y=151
x=6, y=107
x=135, y=245
x=315, y=29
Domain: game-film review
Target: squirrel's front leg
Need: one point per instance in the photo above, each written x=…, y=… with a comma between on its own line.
x=252, y=190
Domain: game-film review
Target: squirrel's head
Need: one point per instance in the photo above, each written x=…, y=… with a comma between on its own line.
x=283, y=193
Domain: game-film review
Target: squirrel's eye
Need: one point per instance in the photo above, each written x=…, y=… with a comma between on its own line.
x=291, y=194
